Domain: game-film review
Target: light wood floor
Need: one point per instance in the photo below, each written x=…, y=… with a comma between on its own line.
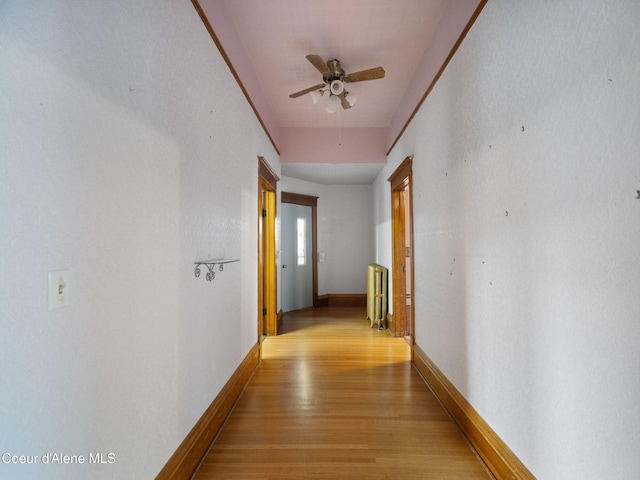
x=332, y=400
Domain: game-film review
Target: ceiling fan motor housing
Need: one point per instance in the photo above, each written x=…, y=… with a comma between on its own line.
x=336, y=80
x=336, y=70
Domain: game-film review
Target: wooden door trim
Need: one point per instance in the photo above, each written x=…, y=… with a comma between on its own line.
x=309, y=201
x=267, y=271
x=401, y=178
x=265, y=171
x=404, y=171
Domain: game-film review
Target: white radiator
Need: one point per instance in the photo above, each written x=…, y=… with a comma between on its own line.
x=376, y=294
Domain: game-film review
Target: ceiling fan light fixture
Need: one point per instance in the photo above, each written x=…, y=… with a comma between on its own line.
x=316, y=96
x=351, y=98
x=332, y=104
x=337, y=87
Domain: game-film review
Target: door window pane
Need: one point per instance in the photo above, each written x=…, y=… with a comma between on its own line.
x=302, y=240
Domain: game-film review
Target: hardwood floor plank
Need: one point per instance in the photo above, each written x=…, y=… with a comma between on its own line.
x=334, y=399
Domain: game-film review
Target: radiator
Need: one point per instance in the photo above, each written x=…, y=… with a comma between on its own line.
x=376, y=294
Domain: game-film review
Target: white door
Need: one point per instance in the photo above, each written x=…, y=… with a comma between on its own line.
x=296, y=260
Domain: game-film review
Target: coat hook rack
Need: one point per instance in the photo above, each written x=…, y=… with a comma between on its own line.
x=210, y=264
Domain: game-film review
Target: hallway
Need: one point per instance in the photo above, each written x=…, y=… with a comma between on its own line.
x=334, y=399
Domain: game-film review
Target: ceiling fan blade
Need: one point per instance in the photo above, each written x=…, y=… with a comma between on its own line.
x=343, y=101
x=306, y=90
x=320, y=64
x=370, y=74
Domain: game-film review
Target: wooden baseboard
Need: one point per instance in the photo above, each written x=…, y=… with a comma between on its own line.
x=498, y=457
x=321, y=301
x=187, y=457
x=343, y=300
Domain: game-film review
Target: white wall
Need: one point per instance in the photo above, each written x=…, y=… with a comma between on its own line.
x=527, y=230
x=382, y=221
x=114, y=145
x=345, y=233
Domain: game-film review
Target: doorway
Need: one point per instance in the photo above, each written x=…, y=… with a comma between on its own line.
x=267, y=304
x=402, y=321
x=299, y=274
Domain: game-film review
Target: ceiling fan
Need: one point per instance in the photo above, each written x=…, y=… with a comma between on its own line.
x=334, y=79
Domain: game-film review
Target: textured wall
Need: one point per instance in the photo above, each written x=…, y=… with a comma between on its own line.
x=121, y=163
x=345, y=233
x=453, y=21
x=527, y=223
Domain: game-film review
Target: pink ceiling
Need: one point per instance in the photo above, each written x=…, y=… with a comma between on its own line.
x=266, y=43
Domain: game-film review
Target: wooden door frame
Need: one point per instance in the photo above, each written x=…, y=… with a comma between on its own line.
x=401, y=179
x=308, y=201
x=267, y=271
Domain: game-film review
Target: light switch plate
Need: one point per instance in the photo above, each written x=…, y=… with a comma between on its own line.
x=58, y=289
